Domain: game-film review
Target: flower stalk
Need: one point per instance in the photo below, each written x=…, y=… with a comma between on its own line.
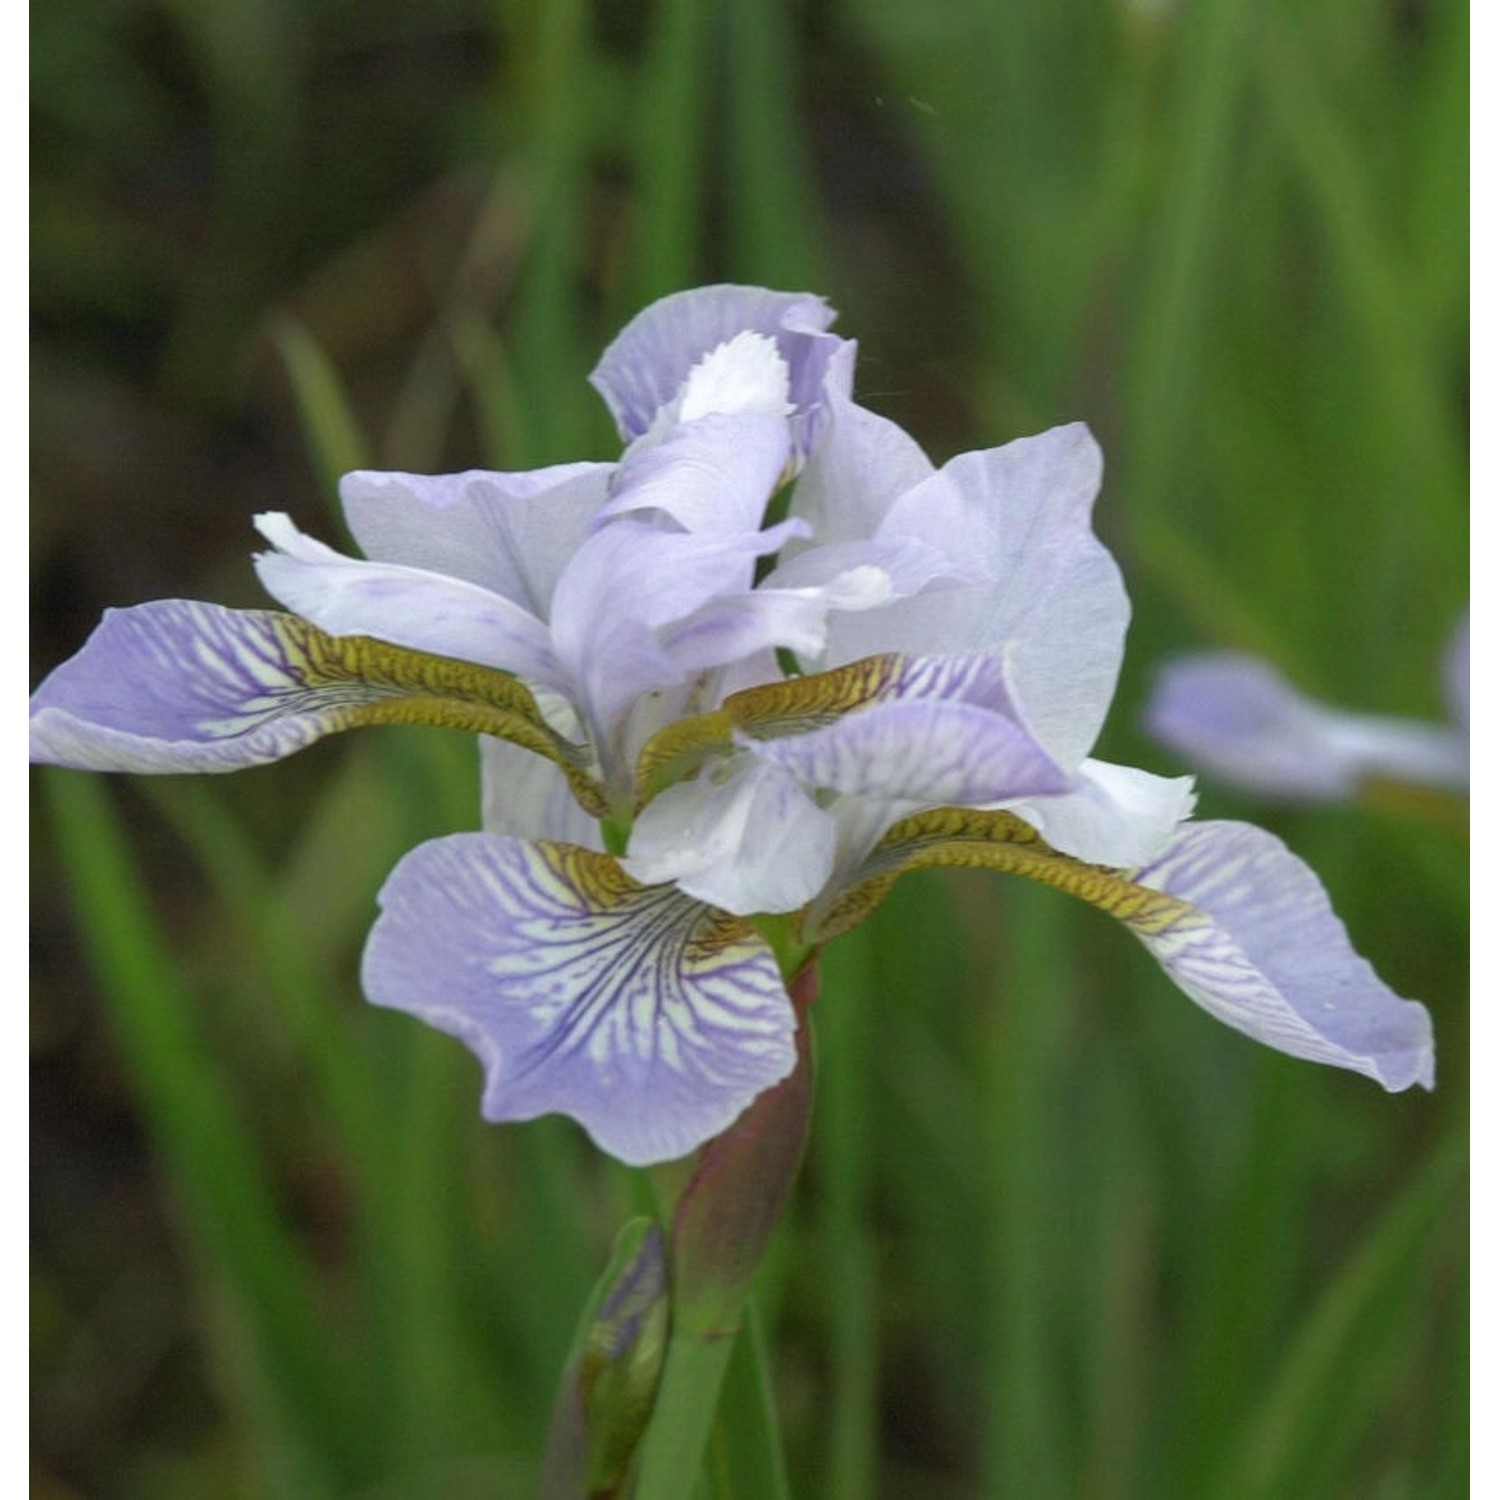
x=723, y=1220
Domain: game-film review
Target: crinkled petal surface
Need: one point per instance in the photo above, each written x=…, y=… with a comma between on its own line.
x=752, y=842
x=509, y=533
x=1051, y=592
x=1258, y=945
x=1237, y=718
x=650, y=360
x=651, y=1019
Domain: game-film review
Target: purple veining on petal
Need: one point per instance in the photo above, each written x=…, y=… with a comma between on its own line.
x=176, y=685
x=926, y=753
x=1265, y=953
x=646, y=1016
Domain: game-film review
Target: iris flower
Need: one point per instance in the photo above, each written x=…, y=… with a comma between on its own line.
x=712, y=740
x=1235, y=717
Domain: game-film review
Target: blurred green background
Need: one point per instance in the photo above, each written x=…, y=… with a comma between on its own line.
x=1059, y=1234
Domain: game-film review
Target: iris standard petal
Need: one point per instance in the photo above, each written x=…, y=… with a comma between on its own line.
x=651, y=1019
x=649, y=361
x=1258, y=945
x=1051, y=591
x=407, y=606
x=861, y=465
x=508, y=533
x=624, y=587
x=716, y=474
x=1113, y=815
x=742, y=836
x=1235, y=717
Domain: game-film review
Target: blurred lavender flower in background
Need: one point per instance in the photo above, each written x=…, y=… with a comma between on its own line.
x=1234, y=717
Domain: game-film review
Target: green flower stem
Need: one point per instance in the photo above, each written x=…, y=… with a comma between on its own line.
x=671, y=1455
x=746, y=1444
x=723, y=1218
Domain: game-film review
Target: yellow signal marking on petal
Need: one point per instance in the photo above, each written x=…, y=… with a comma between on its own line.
x=792, y=706
x=973, y=839
x=597, y=877
x=392, y=685
x=603, y=884
x=673, y=753
x=797, y=704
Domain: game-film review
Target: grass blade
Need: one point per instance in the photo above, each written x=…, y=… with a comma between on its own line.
x=273, y=1332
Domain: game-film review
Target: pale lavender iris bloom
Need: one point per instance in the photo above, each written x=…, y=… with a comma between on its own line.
x=710, y=743
x=1234, y=717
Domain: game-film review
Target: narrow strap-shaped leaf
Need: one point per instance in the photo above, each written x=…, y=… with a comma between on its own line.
x=276, y=1341
x=1363, y=1319
x=334, y=435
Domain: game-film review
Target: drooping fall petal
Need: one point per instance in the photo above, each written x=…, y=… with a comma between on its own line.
x=651, y=1019
x=177, y=685
x=1237, y=920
